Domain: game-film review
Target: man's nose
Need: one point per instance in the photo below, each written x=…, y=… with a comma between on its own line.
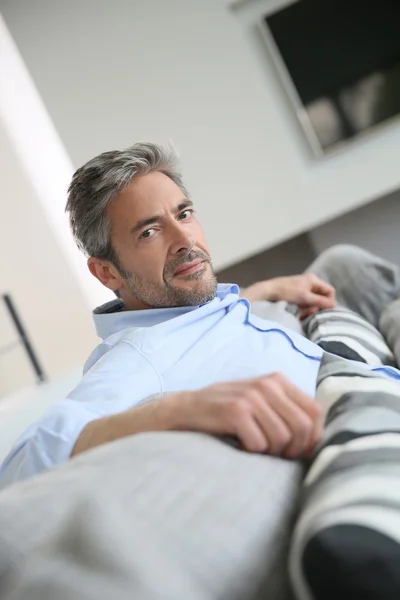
x=182, y=240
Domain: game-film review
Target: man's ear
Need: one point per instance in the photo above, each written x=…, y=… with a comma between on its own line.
x=105, y=272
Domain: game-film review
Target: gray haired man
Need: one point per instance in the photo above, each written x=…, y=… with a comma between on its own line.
x=178, y=337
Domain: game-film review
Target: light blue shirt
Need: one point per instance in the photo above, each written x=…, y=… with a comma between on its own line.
x=159, y=351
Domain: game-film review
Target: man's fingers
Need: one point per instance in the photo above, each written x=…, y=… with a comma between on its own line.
x=297, y=420
x=275, y=429
x=305, y=402
x=307, y=312
x=320, y=286
x=251, y=435
x=267, y=414
x=319, y=295
x=311, y=299
x=300, y=424
x=257, y=425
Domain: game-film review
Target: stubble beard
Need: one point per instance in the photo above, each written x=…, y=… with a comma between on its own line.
x=167, y=294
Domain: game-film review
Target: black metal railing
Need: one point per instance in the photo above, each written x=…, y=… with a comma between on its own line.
x=23, y=339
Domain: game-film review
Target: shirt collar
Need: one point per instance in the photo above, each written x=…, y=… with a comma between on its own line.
x=111, y=317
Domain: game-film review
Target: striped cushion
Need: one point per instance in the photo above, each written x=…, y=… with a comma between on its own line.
x=346, y=543
x=344, y=333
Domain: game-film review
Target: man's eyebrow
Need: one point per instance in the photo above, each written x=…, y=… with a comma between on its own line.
x=184, y=204
x=158, y=218
x=145, y=223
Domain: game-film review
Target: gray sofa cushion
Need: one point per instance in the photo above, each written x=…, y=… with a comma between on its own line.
x=158, y=515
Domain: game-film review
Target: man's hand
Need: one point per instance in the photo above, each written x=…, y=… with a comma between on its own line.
x=267, y=414
x=307, y=291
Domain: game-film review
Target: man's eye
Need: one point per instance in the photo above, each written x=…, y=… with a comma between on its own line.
x=146, y=234
x=186, y=214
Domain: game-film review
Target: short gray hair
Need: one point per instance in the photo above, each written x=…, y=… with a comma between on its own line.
x=95, y=185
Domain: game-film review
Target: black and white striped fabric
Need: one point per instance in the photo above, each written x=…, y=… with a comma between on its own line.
x=346, y=543
x=344, y=333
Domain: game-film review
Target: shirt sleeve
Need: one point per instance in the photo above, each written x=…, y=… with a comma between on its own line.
x=388, y=372
x=116, y=382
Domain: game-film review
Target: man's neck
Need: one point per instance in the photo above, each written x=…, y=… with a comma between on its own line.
x=131, y=303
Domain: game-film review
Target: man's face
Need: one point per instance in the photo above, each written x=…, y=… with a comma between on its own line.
x=163, y=256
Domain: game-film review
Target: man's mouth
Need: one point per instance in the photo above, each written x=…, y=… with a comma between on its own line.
x=189, y=268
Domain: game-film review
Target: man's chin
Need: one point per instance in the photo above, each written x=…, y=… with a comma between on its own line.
x=193, y=291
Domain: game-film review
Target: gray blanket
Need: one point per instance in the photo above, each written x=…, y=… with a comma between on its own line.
x=155, y=516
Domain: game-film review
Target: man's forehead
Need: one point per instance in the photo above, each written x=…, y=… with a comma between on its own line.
x=146, y=197
x=151, y=189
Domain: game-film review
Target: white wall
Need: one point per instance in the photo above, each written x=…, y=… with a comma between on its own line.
x=42, y=157
x=35, y=272
x=111, y=73
x=375, y=227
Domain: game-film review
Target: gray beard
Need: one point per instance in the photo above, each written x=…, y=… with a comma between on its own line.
x=166, y=295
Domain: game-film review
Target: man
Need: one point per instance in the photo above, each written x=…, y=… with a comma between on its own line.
x=179, y=352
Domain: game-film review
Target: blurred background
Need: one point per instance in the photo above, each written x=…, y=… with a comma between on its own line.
x=285, y=115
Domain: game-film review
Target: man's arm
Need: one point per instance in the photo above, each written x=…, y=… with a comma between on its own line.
x=118, y=381
x=307, y=291
x=267, y=414
x=155, y=415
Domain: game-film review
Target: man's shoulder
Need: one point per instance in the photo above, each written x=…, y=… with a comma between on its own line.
x=113, y=342
x=95, y=356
